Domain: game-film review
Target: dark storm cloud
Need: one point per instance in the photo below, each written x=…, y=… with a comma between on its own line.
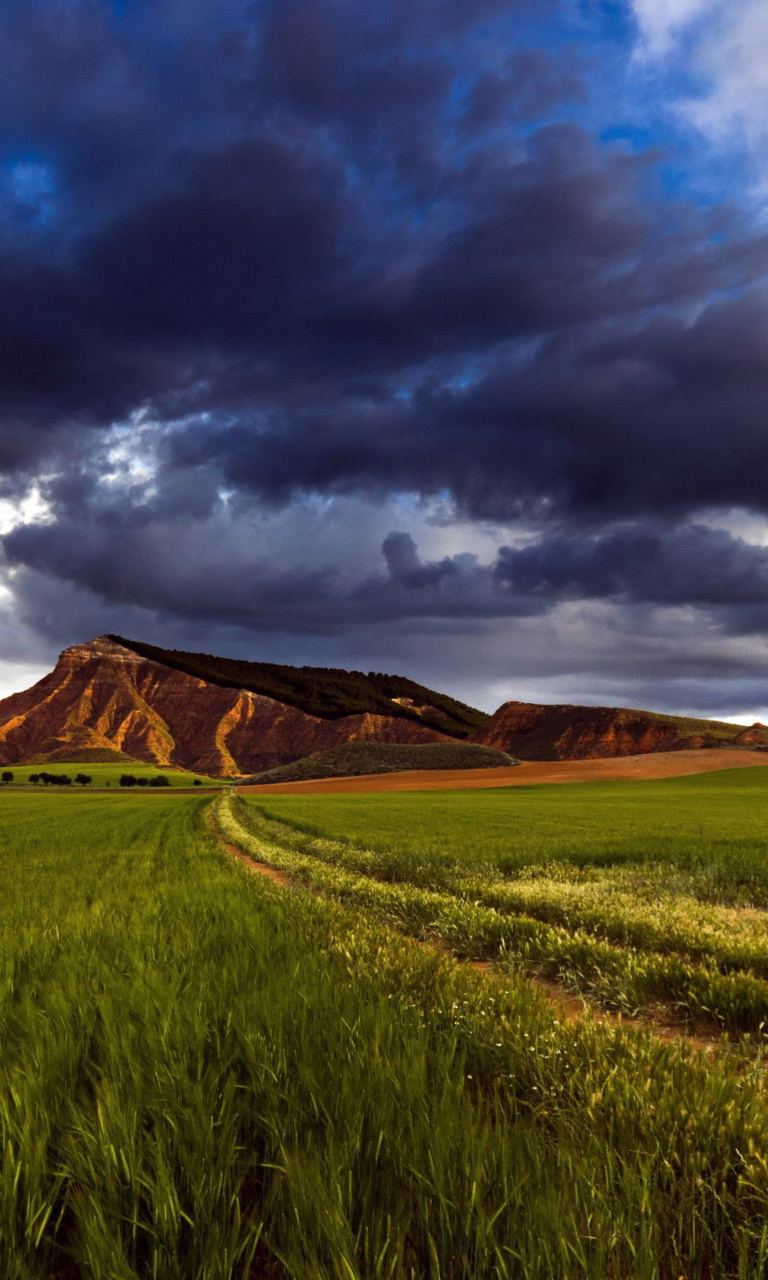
x=235, y=253
x=690, y=565
x=526, y=86
x=178, y=566
x=331, y=247
x=301, y=195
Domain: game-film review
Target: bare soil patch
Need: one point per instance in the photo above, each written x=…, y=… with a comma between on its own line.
x=660, y=764
x=251, y=864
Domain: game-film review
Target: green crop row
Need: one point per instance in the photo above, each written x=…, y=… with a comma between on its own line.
x=618, y=977
x=642, y=907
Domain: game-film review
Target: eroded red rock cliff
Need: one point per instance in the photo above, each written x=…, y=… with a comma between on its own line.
x=531, y=731
x=102, y=699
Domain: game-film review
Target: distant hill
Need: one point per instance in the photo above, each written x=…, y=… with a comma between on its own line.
x=532, y=731
x=119, y=700
x=356, y=759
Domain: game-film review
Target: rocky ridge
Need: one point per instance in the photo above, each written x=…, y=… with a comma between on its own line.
x=531, y=731
x=103, y=701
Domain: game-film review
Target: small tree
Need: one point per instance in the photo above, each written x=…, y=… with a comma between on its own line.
x=7, y=776
x=83, y=779
x=197, y=783
x=34, y=777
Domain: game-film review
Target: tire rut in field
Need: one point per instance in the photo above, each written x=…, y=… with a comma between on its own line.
x=570, y=1007
x=251, y=864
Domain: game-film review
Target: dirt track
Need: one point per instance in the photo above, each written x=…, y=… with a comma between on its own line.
x=569, y=1006
x=661, y=764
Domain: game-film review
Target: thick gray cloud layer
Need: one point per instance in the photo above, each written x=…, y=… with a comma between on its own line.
x=259, y=254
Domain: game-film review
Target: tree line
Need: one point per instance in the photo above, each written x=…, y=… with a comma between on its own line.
x=327, y=692
x=128, y=780
x=85, y=780
x=55, y=779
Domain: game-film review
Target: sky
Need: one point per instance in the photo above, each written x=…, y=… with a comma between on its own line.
x=425, y=336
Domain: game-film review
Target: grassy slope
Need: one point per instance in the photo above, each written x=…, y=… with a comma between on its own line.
x=688, y=726
x=105, y=775
x=679, y=819
x=327, y=692
x=354, y=759
x=198, y=1071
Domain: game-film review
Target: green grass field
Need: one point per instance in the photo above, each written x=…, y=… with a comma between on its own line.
x=105, y=775
x=679, y=820
x=205, y=1077
x=646, y=897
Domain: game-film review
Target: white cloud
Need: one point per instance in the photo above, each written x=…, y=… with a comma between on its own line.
x=32, y=508
x=15, y=676
x=662, y=22
x=722, y=47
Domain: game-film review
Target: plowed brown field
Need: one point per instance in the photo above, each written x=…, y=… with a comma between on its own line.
x=661, y=764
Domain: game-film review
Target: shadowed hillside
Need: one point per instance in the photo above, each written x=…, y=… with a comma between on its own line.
x=564, y=732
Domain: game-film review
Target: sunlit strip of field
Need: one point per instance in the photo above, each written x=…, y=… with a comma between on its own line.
x=613, y=891
x=717, y=821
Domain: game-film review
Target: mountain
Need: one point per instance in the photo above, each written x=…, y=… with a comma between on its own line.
x=116, y=699
x=563, y=732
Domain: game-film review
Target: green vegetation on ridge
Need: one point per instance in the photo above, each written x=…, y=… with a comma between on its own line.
x=327, y=692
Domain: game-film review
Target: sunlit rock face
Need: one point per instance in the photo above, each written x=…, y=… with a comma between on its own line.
x=533, y=732
x=102, y=701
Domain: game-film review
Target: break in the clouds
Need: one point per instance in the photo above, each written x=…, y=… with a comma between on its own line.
x=714, y=58
x=427, y=335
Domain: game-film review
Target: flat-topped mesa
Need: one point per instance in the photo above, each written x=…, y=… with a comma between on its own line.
x=563, y=732
x=109, y=700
